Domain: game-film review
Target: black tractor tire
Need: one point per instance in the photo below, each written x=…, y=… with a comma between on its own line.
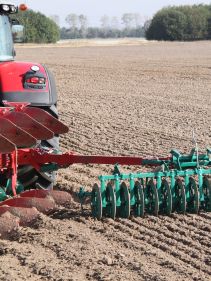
x=28, y=176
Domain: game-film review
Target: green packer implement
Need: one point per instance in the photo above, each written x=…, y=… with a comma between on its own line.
x=180, y=184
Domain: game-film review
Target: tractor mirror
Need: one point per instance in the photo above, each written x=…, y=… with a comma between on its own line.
x=18, y=33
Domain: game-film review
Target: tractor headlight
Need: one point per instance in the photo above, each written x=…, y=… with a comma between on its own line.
x=5, y=8
x=13, y=9
x=8, y=9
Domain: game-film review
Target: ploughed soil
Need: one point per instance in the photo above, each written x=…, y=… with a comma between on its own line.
x=120, y=100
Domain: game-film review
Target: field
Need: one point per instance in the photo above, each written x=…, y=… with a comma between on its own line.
x=141, y=99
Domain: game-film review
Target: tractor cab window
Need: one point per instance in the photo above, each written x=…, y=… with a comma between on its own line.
x=6, y=41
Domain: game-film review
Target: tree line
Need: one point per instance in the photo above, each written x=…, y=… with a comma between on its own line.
x=38, y=27
x=130, y=25
x=42, y=29
x=181, y=23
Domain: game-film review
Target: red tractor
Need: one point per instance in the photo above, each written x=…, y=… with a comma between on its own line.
x=25, y=82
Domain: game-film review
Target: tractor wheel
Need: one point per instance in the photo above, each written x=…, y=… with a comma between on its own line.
x=28, y=176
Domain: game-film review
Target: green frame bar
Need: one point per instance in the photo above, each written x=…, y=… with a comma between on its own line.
x=172, y=174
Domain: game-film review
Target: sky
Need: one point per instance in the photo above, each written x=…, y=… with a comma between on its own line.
x=95, y=9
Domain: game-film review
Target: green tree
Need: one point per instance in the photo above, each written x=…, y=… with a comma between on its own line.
x=55, y=18
x=83, y=21
x=72, y=20
x=127, y=20
x=38, y=27
x=168, y=24
x=196, y=21
x=181, y=23
x=110, y=27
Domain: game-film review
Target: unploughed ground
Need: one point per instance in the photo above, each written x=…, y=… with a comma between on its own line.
x=120, y=100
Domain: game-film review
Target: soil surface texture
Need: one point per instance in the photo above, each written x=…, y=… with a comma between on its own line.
x=120, y=100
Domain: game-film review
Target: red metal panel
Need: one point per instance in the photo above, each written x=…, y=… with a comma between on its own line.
x=28, y=124
x=5, y=145
x=17, y=106
x=37, y=158
x=15, y=135
x=39, y=115
x=5, y=161
x=11, y=76
x=46, y=119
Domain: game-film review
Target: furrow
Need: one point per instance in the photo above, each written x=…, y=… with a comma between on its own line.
x=174, y=234
x=146, y=242
x=128, y=240
x=167, y=245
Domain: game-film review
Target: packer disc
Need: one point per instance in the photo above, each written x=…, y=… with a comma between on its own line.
x=139, y=198
x=180, y=197
x=151, y=195
x=125, y=201
x=96, y=202
x=193, y=202
x=111, y=201
x=166, y=197
x=207, y=193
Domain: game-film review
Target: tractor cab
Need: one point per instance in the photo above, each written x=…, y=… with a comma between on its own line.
x=10, y=31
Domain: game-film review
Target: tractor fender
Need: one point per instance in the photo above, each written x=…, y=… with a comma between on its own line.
x=14, y=86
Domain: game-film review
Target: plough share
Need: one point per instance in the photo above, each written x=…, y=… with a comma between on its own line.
x=177, y=183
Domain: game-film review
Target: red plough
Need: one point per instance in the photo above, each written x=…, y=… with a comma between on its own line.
x=21, y=128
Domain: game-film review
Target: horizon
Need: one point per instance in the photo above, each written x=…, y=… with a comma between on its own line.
x=145, y=8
